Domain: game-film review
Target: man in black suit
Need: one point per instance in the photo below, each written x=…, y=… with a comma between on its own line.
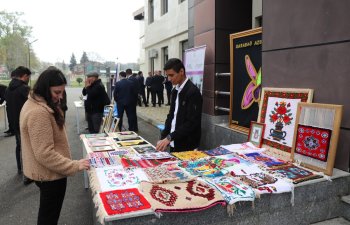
x=183, y=124
x=148, y=86
x=124, y=95
x=141, y=81
x=168, y=86
x=158, y=87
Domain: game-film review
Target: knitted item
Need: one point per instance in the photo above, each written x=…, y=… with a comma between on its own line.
x=181, y=197
x=217, y=151
x=295, y=173
x=162, y=174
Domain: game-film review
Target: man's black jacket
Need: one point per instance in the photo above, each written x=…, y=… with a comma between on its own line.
x=16, y=95
x=187, y=132
x=97, y=97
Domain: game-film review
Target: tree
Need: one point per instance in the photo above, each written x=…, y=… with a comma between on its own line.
x=79, y=80
x=84, y=59
x=73, y=62
x=14, y=36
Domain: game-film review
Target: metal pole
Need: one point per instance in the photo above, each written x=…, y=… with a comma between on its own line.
x=29, y=43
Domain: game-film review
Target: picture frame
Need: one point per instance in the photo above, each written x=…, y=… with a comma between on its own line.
x=245, y=78
x=256, y=133
x=114, y=125
x=278, y=108
x=109, y=119
x=316, y=136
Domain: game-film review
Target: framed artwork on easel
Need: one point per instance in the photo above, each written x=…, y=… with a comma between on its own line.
x=278, y=108
x=316, y=136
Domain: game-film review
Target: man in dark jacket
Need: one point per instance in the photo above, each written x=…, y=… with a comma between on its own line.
x=183, y=124
x=157, y=87
x=148, y=86
x=136, y=89
x=16, y=95
x=124, y=95
x=95, y=101
x=168, y=86
x=141, y=81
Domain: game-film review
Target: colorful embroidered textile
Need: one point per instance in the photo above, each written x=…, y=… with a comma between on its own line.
x=125, y=152
x=189, y=155
x=181, y=197
x=144, y=149
x=162, y=174
x=101, y=159
x=201, y=167
x=217, y=151
x=265, y=160
x=156, y=155
x=278, y=111
x=232, y=189
x=313, y=142
x=131, y=143
x=141, y=163
x=265, y=183
x=123, y=201
x=112, y=178
x=227, y=160
x=295, y=173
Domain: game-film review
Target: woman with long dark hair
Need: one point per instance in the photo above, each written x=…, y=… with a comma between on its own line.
x=46, y=153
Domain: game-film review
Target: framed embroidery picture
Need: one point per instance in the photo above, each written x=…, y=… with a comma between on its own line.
x=278, y=108
x=114, y=125
x=256, y=133
x=316, y=136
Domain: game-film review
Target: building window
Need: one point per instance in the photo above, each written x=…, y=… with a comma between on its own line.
x=165, y=55
x=183, y=47
x=152, y=65
x=181, y=1
x=150, y=11
x=165, y=6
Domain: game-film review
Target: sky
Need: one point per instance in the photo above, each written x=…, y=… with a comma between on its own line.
x=105, y=27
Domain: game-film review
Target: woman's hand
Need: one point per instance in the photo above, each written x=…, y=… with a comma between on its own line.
x=84, y=164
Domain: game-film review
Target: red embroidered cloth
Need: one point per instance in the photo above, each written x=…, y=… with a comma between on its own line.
x=313, y=142
x=123, y=201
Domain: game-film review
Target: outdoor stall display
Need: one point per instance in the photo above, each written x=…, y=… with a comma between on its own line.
x=128, y=181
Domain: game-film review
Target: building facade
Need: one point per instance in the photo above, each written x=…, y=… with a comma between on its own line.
x=164, y=32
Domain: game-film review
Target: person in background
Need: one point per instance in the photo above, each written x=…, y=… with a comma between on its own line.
x=124, y=95
x=168, y=86
x=183, y=124
x=162, y=86
x=157, y=87
x=141, y=81
x=16, y=95
x=2, y=93
x=46, y=152
x=135, y=93
x=148, y=86
x=96, y=99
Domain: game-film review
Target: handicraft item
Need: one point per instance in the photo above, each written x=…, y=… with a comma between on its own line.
x=295, y=173
x=278, y=107
x=217, y=151
x=317, y=134
x=256, y=133
x=189, y=155
x=123, y=201
x=181, y=197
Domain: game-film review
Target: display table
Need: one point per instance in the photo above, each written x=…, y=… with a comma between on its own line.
x=310, y=201
x=79, y=105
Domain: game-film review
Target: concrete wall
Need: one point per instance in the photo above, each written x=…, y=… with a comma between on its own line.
x=306, y=44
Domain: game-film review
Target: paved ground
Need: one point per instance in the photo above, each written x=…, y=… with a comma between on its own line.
x=19, y=203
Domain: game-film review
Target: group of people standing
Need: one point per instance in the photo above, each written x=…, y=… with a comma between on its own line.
x=155, y=84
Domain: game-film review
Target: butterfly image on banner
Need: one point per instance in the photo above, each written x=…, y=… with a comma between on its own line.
x=253, y=90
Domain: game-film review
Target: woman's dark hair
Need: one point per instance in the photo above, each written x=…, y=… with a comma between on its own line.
x=50, y=77
x=174, y=64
